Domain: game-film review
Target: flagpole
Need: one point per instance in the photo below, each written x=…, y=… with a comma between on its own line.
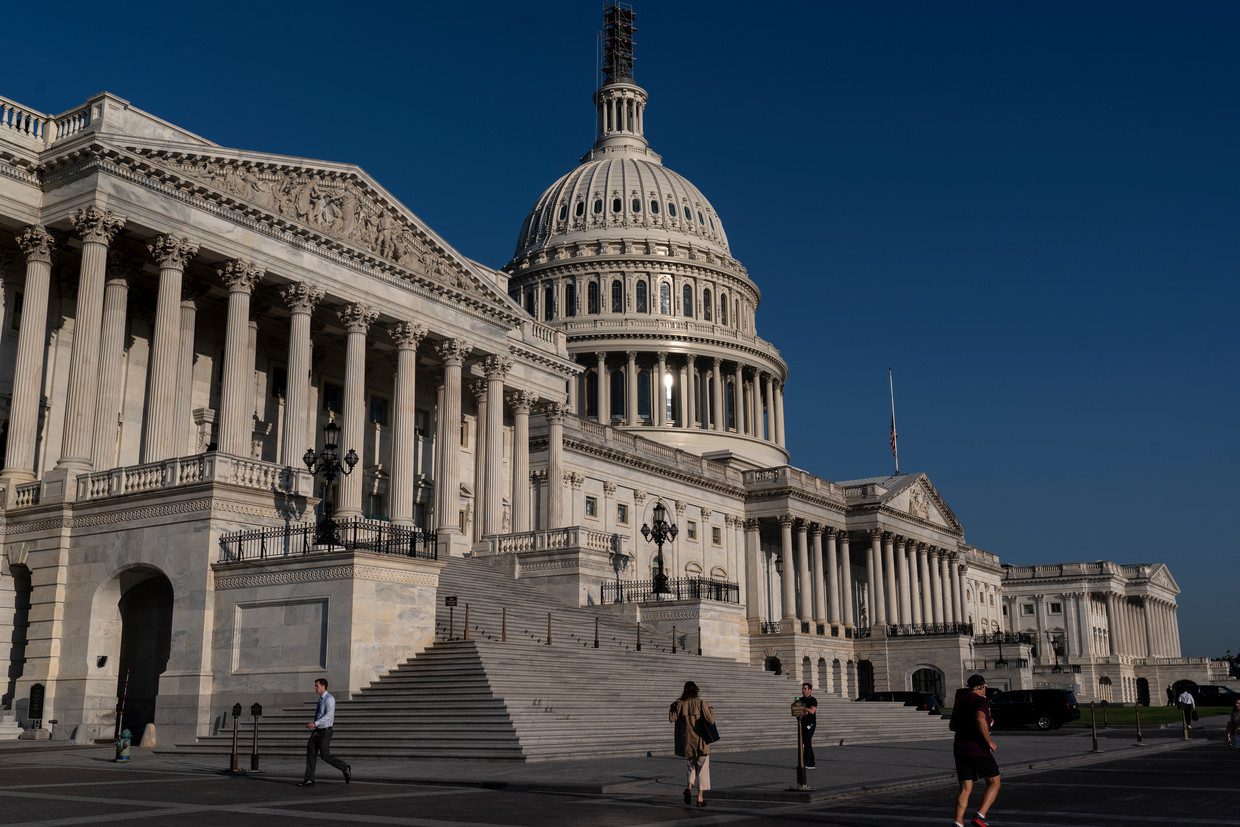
x=895, y=437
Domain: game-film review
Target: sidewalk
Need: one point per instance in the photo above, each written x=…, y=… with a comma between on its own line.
x=758, y=775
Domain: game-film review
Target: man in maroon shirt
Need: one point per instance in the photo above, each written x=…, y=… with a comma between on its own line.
x=974, y=750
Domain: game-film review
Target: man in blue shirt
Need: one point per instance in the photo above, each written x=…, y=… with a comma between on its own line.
x=320, y=740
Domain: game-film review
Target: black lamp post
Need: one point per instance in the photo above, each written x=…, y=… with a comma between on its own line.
x=619, y=562
x=1050, y=636
x=662, y=532
x=1002, y=661
x=327, y=464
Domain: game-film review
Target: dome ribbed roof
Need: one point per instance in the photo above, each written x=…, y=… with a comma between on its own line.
x=653, y=201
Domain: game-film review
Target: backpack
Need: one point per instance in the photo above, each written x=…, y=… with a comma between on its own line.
x=958, y=716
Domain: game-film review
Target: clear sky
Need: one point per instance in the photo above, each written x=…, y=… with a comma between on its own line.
x=1029, y=210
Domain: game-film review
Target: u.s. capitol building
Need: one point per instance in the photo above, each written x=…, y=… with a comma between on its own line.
x=181, y=321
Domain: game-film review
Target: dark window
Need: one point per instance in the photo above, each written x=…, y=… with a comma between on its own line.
x=688, y=214
x=642, y=306
x=616, y=205
x=617, y=296
x=706, y=304
x=378, y=410
x=665, y=298
x=723, y=308
x=332, y=396
x=16, y=321
x=654, y=207
x=637, y=205
x=643, y=394
x=548, y=302
x=279, y=380
x=671, y=209
x=563, y=212
x=686, y=301
x=592, y=298
x=529, y=302
x=580, y=210
x=422, y=421
x=375, y=507
x=570, y=298
x=598, y=205
x=701, y=220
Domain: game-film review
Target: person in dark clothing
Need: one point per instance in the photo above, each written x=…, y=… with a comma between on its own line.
x=808, y=722
x=319, y=743
x=974, y=750
x=1170, y=696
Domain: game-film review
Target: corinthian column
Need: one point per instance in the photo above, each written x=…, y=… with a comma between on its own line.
x=807, y=587
x=172, y=254
x=658, y=408
x=815, y=574
x=833, y=578
x=769, y=419
x=936, y=587
x=236, y=423
x=301, y=300
x=691, y=391
x=945, y=583
x=521, y=403
x=889, y=571
x=925, y=589
x=788, y=573
x=448, y=466
x=878, y=595
x=97, y=228
x=753, y=570
x=914, y=583
x=846, y=581
x=738, y=399
x=604, y=404
x=906, y=583
x=407, y=336
x=718, y=424
x=184, y=440
x=630, y=389
x=478, y=388
x=36, y=244
x=357, y=319
x=555, y=413
x=111, y=363
x=779, y=414
x=495, y=368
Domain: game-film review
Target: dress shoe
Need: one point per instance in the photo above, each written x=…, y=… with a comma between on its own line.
x=305, y=783
x=348, y=774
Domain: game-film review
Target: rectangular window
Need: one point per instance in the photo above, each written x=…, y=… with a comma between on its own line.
x=716, y=535
x=622, y=514
x=1056, y=608
x=464, y=432
x=374, y=507
x=461, y=522
x=591, y=506
x=1026, y=610
x=692, y=530
x=333, y=397
x=992, y=600
x=378, y=410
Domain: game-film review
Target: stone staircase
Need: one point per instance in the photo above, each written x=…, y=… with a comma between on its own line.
x=9, y=728
x=521, y=699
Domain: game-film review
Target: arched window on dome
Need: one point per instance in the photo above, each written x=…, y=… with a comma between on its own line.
x=689, y=214
x=637, y=205
x=736, y=313
x=643, y=394
x=570, y=298
x=580, y=209
x=654, y=206
x=598, y=206
x=723, y=308
x=617, y=205
x=729, y=404
x=643, y=300
x=686, y=300
x=548, y=302
x=701, y=220
x=563, y=212
x=592, y=297
x=671, y=209
x=617, y=296
x=665, y=298
x=706, y=304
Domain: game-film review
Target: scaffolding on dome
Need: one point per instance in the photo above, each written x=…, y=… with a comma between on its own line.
x=618, y=42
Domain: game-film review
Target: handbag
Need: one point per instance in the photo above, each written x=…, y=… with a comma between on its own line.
x=1194, y=715
x=707, y=731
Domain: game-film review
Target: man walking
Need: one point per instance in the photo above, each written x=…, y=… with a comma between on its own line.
x=319, y=743
x=808, y=721
x=974, y=750
x=1188, y=705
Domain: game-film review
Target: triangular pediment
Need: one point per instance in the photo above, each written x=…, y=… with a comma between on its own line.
x=1161, y=576
x=921, y=500
x=339, y=203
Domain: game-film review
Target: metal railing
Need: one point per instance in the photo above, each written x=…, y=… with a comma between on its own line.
x=374, y=536
x=929, y=629
x=982, y=664
x=1003, y=637
x=681, y=588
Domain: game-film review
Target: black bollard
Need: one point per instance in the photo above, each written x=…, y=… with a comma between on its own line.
x=1106, y=718
x=673, y=640
x=466, y=633
x=639, y=637
x=548, y=628
x=256, y=711
x=233, y=766
x=1093, y=727
x=503, y=625
x=1137, y=709
x=596, y=633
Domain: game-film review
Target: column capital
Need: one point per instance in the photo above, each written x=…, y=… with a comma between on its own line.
x=802, y=525
x=555, y=411
x=715, y=362
x=496, y=367
x=301, y=297
x=600, y=355
x=478, y=387
x=816, y=529
x=874, y=533
x=357, y=317
x=36, y=243
x=407, y=335
x=191, y=291
x=922, y=546
x=172, y=252
x=453, y=351
x=752, y=524
x=1038, y=598
x=830, y=530
x=97, y=225
x=521, y=401
x=609, y=489
x=690, y=359
x=661, y=355
x=631, y=354
x=786, y=520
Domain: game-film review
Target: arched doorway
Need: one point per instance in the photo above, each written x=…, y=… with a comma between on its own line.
x=1143, y=692
x=1104, y=689
x=865, y=677
x=773, y=665
x=850, y=677
x=837, y=677
x=145, y=609
x=930, y=679
x=16, y=644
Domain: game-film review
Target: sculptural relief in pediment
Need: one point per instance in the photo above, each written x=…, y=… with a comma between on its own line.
x=334, y=204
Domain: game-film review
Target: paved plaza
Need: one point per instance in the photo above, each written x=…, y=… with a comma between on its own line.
x=1052, y=779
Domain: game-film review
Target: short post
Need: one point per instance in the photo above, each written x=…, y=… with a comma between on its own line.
x=503, y=625
x=673, y=640
x=465, y=632
x=548, y=628
x=699, y=639
x=596, y=633
x=798, y=712
x=233, y=766
x=1140, y=742
x=1106, y=718
x=452, y=621
x=1093, y=727
x=256, y=712
x=639, y=637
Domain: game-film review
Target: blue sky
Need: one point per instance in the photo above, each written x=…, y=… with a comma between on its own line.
x=1030, y=211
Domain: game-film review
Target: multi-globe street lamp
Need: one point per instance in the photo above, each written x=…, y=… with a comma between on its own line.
x=327, y=463
x=660, y=533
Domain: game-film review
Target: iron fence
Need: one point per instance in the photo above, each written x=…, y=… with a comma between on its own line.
x=681, y=588
x=930, y=630
x=355, y=534
x=1004, y=637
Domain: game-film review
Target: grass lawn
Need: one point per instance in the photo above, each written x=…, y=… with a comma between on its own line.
x=1127, y=716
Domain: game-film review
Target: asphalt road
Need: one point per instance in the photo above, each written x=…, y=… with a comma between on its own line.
x=1196, y=785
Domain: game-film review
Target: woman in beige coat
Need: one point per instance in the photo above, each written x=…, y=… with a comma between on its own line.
x=685, y=713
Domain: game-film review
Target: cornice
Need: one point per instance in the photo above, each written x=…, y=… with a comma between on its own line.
x=630, y=264
x=630, y=461
x=771, y=356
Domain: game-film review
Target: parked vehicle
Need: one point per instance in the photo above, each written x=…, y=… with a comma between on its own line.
x=1214, y=695
x=1043, y=708
x=923, y=701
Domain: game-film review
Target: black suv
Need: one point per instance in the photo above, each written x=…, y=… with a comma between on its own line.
x=1043, y=708
x=924, y=701
x=1214, y=695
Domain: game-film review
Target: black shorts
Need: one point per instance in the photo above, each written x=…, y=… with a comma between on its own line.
x=975, y=768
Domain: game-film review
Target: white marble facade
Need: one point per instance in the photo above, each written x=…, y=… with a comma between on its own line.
x=181, y=319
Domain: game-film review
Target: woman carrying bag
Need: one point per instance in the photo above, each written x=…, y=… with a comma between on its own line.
x=695, y=731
